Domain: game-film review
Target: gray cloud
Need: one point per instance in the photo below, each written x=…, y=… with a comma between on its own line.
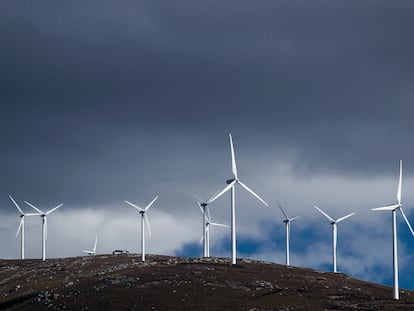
x=104, y=101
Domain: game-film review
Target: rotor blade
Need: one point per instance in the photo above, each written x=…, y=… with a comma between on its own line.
x=32, y=214
x=133, y=205
x=233, y=158
x=252, y=192
x=31, y=205
x=218, y=225
x=219, y=194
x=406, y=220
x=325, y=214
x=53, y=209
x=283, y=212
x=208, y=214
x=94, y=246
x=201, y=208
x=198, y=197
x=345, y=217
x=399, y=185
x=148, y=225
x=201, y=240
x=294, y=218
x=386, y=208
x=45, y=228
x=152, y=202
x=18, y=207
x=20, y=225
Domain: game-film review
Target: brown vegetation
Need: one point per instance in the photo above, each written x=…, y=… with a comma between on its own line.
x=123, y=282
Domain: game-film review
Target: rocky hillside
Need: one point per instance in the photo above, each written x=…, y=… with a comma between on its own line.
x=123, y=282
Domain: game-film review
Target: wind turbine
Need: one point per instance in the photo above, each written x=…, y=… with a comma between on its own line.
x=287, y=222
x=231, y=185
x=394, y=208
x=144, y=218
x=92, y=252
x=334, y=232
x=204, y=208
x=44, y=225
x=21, y=226
x=206, y=228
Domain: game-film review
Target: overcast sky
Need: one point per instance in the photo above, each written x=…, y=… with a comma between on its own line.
x=103, y=101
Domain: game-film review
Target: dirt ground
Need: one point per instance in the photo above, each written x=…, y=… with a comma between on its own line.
x=123, y=282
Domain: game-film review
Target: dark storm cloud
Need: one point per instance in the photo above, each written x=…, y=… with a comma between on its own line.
x=89, y=89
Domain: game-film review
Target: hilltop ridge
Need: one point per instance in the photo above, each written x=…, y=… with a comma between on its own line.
x=123, y=282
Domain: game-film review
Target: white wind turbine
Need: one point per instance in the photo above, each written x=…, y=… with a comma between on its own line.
x=231, y=185
x=144, y=218
x=44, y=225
x=204, y=208
x=206, y=228
x=394, y=208
x=92, y=252
x=287, y=222
x=334, y=232
x=21, y=226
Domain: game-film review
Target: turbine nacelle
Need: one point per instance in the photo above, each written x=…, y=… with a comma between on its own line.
x=229, y=181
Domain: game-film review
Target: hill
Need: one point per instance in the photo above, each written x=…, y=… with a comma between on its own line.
x=123, y=282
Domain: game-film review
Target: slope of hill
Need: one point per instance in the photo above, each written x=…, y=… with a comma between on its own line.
x=123, y=282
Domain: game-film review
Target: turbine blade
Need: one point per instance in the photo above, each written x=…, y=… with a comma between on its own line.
x=325, y=214
x=233, y=158
x=148, y=225
x=94, y=246
x=208, y=214
x=218, y=225
x=53, y=209
x=152, y=202
x=219, y=194
x=252, y=192
x=399, y=185
x=31, y=205
x=198, y=197
x=406, y=220
x=283, y=212
x=133, y=205
x=17, y=205
x=32, y=214
x=20, y=225
x=201, y=208
x=345, y=217
x=386, y=208
x=294, y=218
x=45, y=228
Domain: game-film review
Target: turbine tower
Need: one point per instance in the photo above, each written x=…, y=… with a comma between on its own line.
x=287, y=222
x=231, y=185
x=144, y=218
x=334, y=232
x=206, y=228
x=21, y=226
x=44, y=225
x=394, y=208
